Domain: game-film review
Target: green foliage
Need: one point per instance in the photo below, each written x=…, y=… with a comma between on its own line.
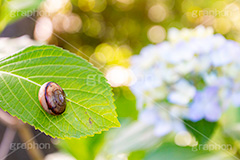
x=231, y=116
x=231, y=123
x=90, y=108
x=171, y=151
x=126, y=103
x=84, y=148
x=202, y=130
x=137, y=155
x=12, y=10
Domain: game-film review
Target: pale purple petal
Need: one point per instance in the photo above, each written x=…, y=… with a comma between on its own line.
x=149, y=116
x=205, y=105
x=162, y=128
x=236, y=99
x=196, y=111
x=213, y=112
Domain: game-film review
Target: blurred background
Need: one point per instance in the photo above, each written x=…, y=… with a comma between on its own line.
x=107, y=33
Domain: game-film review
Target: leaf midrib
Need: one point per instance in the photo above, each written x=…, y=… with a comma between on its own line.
x=26, y=79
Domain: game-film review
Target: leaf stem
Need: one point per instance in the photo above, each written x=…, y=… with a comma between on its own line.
x=24, y=132
x=6, y=142
x=28, y=138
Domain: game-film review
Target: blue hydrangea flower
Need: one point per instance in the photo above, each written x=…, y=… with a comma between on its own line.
x=225, y=54
x=234, y=98
x=182, y=93
x=163, y=125
x=205, y=105
x=194, y=71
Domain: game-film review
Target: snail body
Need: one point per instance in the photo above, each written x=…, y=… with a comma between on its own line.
x=52, y=98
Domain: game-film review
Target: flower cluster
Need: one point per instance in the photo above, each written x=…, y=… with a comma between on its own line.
x=193, y=75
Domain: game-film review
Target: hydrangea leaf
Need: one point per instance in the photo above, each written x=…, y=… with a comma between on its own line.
x=204, y=127
x=90, y=108
x=172, y=151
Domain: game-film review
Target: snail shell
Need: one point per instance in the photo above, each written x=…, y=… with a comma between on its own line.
x=52, y=98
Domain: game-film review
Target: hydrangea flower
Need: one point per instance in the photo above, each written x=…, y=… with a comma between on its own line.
x=205, y=105
x=195, y=72
x=162, y=124
x=182, y=93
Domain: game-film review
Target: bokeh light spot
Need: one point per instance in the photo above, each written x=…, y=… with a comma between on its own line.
x=157, y=13
x=183, y=138
x=53, y=6
x=44, y=29
x=72, y=23
x=99, y=6
x=222, y=25
x=92, y=27
x=156, y=34
x=86, y=5
x=119, y=76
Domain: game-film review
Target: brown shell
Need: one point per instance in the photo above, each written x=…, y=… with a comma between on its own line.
x=52, y=98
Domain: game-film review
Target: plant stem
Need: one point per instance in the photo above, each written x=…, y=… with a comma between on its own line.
x=24, y=132
x=28, y=138
x=6, y=142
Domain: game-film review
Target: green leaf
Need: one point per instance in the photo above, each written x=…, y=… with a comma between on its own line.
x=125, y=102
x=90, y=108
x=83, y=148
x=231, y=125
x=172, y=151
x=137, y=155
x=202, y=130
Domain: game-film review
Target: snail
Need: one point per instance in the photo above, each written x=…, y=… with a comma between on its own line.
x=52, y=98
